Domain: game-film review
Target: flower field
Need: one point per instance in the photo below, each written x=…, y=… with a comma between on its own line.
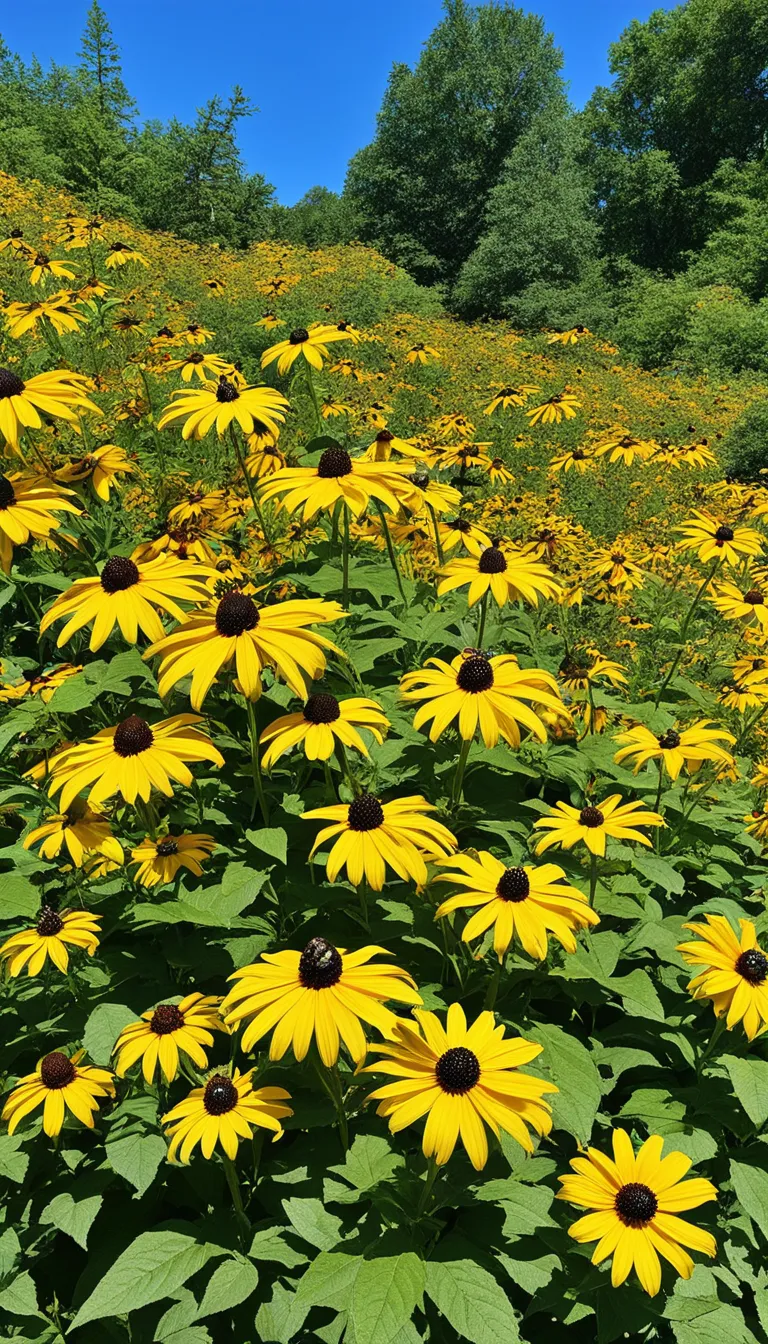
x=384, y=807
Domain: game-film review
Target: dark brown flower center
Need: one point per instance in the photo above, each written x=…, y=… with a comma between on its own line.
x=320, y=965
x=753, y=965
x=458, y=1070
x=635, y=1204
x=49, y=922
x=165, y=1019
x=236, y=613
x=492, y=560
x=578, y=454
x=723, y=533
x=591, y=816
x=226, y=391
x=196, y=357
x=133, y=736
x=220, y=1095
x=165, y=848
x=754, y=597
x=669, y=740
x=322, y=708
x=57, y=1071
x=298, y=336
x=365, y=813
x=384, y=436
x=460, y=524
x=119, y=573
x=11, y=385
x=513, y=885
x=475, y=674
x=420, y=479
x=334, y=462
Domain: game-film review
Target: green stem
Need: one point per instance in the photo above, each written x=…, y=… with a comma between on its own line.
x=720, y=1026
x=390, y=548
x=248, y=482
x=493, y=987
x=313, y=395
x=684, y=630
x=592, y=879
x=237, y=1198
x=436, y=527
x=343, y=760
x=483, y=614
x=258, y=782
x=426, y=1189
x=332, y=1084
x=345, y=558
x=657, y=836
x=458, y=778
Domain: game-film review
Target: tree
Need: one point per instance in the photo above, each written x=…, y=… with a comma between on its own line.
x=321, y=218
x=101, y=66
x=445, y=130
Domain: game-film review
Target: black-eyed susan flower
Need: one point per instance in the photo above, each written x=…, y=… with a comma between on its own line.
x=386, y=443
x=81, y=831
x=461, y=531
x=236, y=630
x=215, y=285
x=59, y=1084
x=41, y=265
x=269, y=322
x=131, y=759
x=492, y=693
x=760, y=778
x=331, y=408
x=461, y=456
x=572, y=459
x=223, y=404
x=636, y=1201
x=677, y=748
x=15, y=243
x=49, y=938
x=421, y=353
x=621, y=446
x=121, y=254
x=199, y=502
x=44, y=684
x=685, y=455
x=585, y=668
x=322, y=722
x=757, y=823
x=161, y=858
x=103, y=466
x=28, y=508
x=128, y=595
x=510, y=398
x=527, y=902
x=264, y=461
x=462, y=1079
x=312, y=343
x=419, y=489
x=453, y=422
x=167, y=1030
x=593, y=824
x=371, y=836
x=734, y=972
x=60, y=394
x=562, y=405
x=324, y=993
x=713, y=539
x=199, y=364
x=746, y=603
x=570, y=337
x=616, y=567
x=62, y=312
x=224, y=1111
x=744, y=693
x=338, y=476
x=499, y=473
x=502, y=570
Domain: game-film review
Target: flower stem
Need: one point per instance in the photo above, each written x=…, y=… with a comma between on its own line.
x=390, y=548
x=684, y=630
x=332, y=1084
x=483, y=614
x=458, y=778
x=345, y=557
x=493, y=987
x=720, y=1026
x=592, y=879
x=237, y=1199
x=248, y=482
x=438, y=543
x=657, y=836
x=313, y=395
x=426, y=1189
x=258, y=782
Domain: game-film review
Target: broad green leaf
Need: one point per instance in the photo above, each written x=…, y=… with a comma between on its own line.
x=13, y=1162
x=230, y=1284
x=749, y=1079
x=638, y=995
x=278, y=1320
x=151, y=1268
x=20, y=1296
x=272, y=840
x=751, y=1186
x=659, y=871
x=269, y=1244
x=136, y=1158
x=103, y=1028
x=471, y=1300
x=329, y=1279
x=369, y=1161
x=313, y=1223
x=71, y=1215
x=526, y=1206
x=573, y=1070
x=384, y=1296
x=10, y=1252
x=531, y=1275
x=19, y=898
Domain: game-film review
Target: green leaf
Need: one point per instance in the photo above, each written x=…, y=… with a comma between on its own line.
x=72, y=1216
x=136, y=1158
x=751, y=1186
x=574, y=1072
x=369, y=1161
x=471, y=1300
x=272, y=840
x=659, y=871
x=526, y=1206
x=269, y=1244
x=313, y=1223
x=20, y=1297
x=13, y=1162
x=329, y=1279
x=103, y=1028
x=230, y=1284
x=749, y=1079
x=638, y=995
x=151, y=1268
x=10, y=1252
x=19, y=898
x=385, y=1293
x=278, y=1320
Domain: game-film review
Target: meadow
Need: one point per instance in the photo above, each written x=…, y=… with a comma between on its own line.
x=384, y=804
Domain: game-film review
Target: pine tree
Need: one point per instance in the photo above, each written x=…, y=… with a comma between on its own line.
x=100, y=64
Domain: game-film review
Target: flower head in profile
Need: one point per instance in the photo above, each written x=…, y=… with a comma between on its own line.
x=733, y=972
x=582, y=669
x=323, y=993
x=560, y=406
x=199, y=364
x=338, y=477
x=44, y=684
x=636, y=1200
x=223, y=404
x=677, y=748
x=499, y=473
x=50, y=937
x=161, y=858
x=121, y=254
x=510, y=398
x=321, y=724
x=386, y=443
x=461, y=531
x=370, y=836
x=59, y=1084
x=757, y=823
x=81, y=831
x=103, y=466
x=493, y=694
x=167, y=1030
x=224, y=1111
x=747, y=602
x=505, y=572
x=28, y=508
x=572, y=459
x=713, y=539
x=527, y=902
x=310, y=342
x=462, y=1079
x=570, y=337
x=616, y=567
x=421, y=353
x=594, y=824
x=59, y=394
x=621, y=446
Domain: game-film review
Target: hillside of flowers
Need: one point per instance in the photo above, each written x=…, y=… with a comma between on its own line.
x=384, y=808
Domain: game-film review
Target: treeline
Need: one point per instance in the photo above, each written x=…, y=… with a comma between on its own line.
x=643, y=216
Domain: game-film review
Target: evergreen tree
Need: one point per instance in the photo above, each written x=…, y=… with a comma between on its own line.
x=101, y=66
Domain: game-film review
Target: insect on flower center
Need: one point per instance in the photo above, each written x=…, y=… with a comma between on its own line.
x=57, y=1071
x=578, y=455
x=591, y=816
x=365, y=813
x=492, y=560
x=165, y=848
x=220, y=1095
x=322, y=708
x=133, y=736
x=320, y=965
x=119, y=573
x=49, y=922
x=384, y=436
x=513, y=885
x=236, y=613
x=165, y=1019
x=754, y=597
x=753, y=966
x=635, y=1204
x=226, y=391
x=11, y=385
x=458, y=1070
x=460, y=524
x=298, y=336
x=669, y=740
x=334, y=462
x=475, y=674
x=723, y=533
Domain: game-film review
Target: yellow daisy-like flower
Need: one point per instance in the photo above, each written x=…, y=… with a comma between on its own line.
x=715, y=540
x=499, y=473
x=453, y=422
x=165, y=1031
x=757, y=823
x=215, y=286
x=104, y=465
x=530, y=902
x=492, y=693
x=58, y=309
x=224, y=1111
x=323, y=992
x=60, y=394
x=200, y=501
x=131, y=759
x=269, y=322
x=127, y=594
x=31, y=948
x=462, y=1079
x=760, y=778
x=310, y=342
x=160, y=859
x=264, y=461
x=581, y=669
x=562, y=405
x=370, y=835
x=463, y=455
x=615, y=567
x=322, y=722
x=734, y=972
x=421, y=490
x=28, y=505
x=196, y=334
x=570, y=337
x=386, y=443
x=337, y=476
x=81, y=830
x=236, y=630
x=573, y=459
x=624, y=447
x=681, y=748
x=510, y=398
x=42, y=265
x=505, y=571
x=223, y=404
x=15, y=242
x=593, y=824
x=686, y=455
x=636, y=1201
x=331, y=408
x=421, y=354
x=59, y=1084
x=461, y=531
x=120, y=254
x=743, y=694
x=201, y=365
x=746, y=603
x=44, y=684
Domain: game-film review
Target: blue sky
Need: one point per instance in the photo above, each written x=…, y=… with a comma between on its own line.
x=317, y=71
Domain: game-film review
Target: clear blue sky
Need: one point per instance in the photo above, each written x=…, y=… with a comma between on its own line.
x=317, y=69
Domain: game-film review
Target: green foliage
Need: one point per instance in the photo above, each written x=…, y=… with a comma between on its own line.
x=745, y=448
